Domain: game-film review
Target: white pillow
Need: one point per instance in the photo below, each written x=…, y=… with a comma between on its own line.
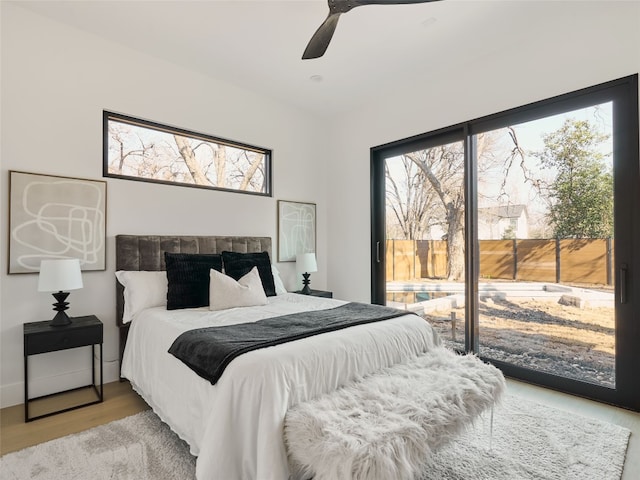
x=277, y=281
x=225, y=292
x=142, y=290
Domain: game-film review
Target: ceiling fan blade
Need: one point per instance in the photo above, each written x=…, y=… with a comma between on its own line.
x=320, y=40
x=392, y=2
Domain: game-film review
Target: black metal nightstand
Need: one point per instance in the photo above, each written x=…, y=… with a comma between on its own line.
x=40, y=337
x=318, y=293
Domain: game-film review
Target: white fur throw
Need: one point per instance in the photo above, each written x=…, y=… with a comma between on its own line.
x=386, y=425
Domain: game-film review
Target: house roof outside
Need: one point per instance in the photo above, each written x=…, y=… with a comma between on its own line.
x=502, y=211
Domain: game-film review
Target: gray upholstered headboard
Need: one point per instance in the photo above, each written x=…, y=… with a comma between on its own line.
x=146, y=252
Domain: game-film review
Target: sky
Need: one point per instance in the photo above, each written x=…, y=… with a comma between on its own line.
x=530, y=137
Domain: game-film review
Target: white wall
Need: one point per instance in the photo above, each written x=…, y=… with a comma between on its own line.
x=56, y=81
x=571, y=45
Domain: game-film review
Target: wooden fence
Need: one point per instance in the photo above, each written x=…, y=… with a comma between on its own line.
x=588, y=261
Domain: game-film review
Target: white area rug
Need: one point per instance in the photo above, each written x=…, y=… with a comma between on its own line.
x=530, y=442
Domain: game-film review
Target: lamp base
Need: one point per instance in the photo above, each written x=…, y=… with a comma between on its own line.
x=61, y=319
x=305, y=281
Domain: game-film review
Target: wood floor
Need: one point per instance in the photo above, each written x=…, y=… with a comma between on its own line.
x=121, y=401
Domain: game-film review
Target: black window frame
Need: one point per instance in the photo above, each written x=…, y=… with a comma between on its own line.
x=127, y=119
x=623, y=92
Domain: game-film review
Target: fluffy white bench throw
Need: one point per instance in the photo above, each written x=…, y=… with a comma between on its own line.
x=386, y=425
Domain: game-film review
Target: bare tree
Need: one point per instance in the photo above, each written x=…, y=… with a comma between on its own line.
x=133, y=150
x=408, y=199
x=188, y=155
x=220, y=162
x=251, y=171
x=443, y=167
x=118, y=136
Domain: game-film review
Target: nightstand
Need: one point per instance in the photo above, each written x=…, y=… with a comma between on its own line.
x=40, y=337
x=318, y=293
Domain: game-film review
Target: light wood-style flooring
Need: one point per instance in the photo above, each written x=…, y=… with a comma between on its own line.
x=121, y=401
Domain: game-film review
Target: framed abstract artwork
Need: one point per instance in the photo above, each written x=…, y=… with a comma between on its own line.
x=54, y=217
x=296, y=229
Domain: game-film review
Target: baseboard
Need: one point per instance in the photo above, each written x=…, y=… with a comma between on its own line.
x=13, y=393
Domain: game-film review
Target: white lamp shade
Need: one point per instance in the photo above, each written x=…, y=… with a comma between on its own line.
x=306, y=263
x=60, y=274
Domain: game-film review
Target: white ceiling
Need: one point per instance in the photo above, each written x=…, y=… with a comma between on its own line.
x=258, y=44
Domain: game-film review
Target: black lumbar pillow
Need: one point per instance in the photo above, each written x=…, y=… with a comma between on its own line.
x=188, y=278
x=237, y=265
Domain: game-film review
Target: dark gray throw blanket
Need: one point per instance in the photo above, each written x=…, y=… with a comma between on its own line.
x=208, y=351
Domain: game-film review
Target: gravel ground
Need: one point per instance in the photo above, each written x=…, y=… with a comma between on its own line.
x=573, y=342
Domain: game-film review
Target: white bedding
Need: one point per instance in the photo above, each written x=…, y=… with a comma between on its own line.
x=235, y=427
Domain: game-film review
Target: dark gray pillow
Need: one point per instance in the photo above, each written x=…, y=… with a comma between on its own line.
x=237, y=265
x=188, y=278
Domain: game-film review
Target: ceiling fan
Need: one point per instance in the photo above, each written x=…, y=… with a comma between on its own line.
x=320, y=40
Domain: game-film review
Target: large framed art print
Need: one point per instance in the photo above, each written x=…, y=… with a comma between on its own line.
x=296, y=229
x=53, y=217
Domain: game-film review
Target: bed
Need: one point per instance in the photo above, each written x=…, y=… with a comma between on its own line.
x=235, y=427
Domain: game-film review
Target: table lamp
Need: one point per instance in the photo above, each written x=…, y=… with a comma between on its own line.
x=306, y=264
x=58, y=275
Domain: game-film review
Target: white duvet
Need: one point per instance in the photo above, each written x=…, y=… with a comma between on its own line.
x=235, y=427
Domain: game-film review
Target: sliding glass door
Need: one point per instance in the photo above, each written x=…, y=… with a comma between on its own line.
x=512, y=235
x=545, y=237
x=424, y=248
